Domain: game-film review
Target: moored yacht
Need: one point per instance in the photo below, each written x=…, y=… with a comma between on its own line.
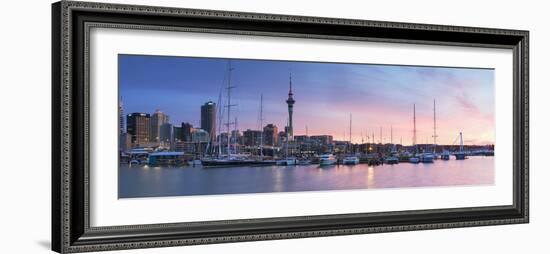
x=351, y=160
x=327, y=159
x=461, y=154
x=414, y=159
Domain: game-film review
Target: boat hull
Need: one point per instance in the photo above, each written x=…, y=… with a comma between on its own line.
x=214, y=163
x=327, y=162
x=352, y=161
x=391, y=160
x=460, y=156
x=414, y=160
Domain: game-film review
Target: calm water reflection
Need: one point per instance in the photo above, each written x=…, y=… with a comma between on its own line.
x=144, y=181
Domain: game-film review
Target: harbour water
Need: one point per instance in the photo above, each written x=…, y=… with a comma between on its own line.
x=146, y=181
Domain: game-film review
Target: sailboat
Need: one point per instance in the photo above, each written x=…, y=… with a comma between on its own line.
x=288, y=160
x=350, y=159
x=392, y=159
x=461, y=154
x=414, y=158
x=231, y=159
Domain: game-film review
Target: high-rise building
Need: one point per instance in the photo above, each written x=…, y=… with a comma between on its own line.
x=290, y=102
x=157, y=119
x=251, y=137
x=166, y=134
x=138, y=125
x=208, y=119
x=186, y=131
x=281, y=137
x=270, y=135
x=176, y=133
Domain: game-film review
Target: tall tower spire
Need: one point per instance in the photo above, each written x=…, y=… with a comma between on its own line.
x=290, y=102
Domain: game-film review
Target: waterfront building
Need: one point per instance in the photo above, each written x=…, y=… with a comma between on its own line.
x=281, y=137
x=322, y=139
x=270, y=135
x=251, y=137
x=301, y=139
x=186, y=147
x=235, y=136
x=200, y=136
x=186, y=129
x=125, y=142
x=166, y=135
x=208, y=118
x=341, y=146
x=290, y=103
x=177, y=133
x=138, y=127
x=157, y=119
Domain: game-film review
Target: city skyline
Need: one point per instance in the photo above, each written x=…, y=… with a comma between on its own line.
x=377, y=96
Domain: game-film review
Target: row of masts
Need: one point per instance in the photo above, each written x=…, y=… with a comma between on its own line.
x=229, y=123
x=414, y=138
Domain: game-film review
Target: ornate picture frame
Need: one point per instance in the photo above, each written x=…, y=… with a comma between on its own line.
x=71, y=229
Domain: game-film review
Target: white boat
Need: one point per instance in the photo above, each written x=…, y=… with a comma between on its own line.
x=351, y=160
x=427, y=158
x=327, y=159
x=287, y=162
x=414, y=160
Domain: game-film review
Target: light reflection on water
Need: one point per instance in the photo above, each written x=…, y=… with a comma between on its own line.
x=147, y=181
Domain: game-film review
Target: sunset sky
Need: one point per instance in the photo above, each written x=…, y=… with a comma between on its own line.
x=377, y=96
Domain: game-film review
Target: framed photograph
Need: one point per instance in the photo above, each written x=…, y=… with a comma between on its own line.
x=181, y=126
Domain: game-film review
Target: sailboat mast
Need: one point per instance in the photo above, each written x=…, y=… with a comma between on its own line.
x=391, y=134
x=235, y=144
x=414, y=127
x=350, y=128
x=220, y=120
x=350, y=145
x=261, y=125
x=435, y=134
x=381, y=139
x=461, y=143
x=414, y=124
x=229, y=87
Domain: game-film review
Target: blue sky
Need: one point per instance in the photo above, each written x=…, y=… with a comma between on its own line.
x=377, y=96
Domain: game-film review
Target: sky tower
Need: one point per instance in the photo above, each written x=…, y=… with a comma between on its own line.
x=290, y=102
